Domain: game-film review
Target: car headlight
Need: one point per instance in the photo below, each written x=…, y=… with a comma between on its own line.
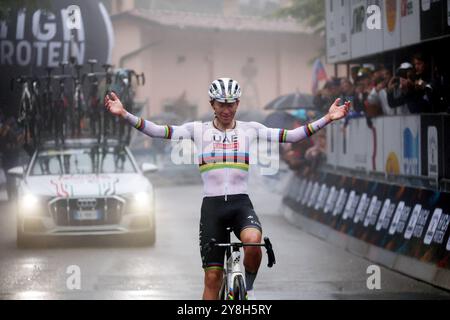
x=29, y=204
x=142, y=200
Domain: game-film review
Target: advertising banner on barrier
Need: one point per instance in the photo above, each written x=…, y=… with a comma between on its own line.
x=410, y=145
x=392, y=145
x=432, y=141
x=445, y=147
x=392, y=197
x=333, y=142
x=404, y=220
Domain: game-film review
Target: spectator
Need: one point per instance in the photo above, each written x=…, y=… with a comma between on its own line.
x=375, y=99
x=402, y=91
x=294, y=153
x=354, y=73
x=11, y=141
x=347, y=90
x=327, y=95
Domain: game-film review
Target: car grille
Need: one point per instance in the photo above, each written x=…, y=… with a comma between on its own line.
x=68, y=212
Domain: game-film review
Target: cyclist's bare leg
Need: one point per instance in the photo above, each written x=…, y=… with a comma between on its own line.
x=213, y=281
x=252, y=255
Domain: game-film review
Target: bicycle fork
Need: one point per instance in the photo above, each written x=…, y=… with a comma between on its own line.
x=233, y=269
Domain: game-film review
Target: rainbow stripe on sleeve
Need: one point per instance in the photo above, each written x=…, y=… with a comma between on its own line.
x=140, y=125
x=283, y=134
x=309, y=130
x=168, y=132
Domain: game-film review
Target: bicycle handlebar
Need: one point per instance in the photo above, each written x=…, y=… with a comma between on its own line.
x=267, y=244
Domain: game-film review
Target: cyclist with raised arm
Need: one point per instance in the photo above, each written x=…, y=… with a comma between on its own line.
x=223, y=147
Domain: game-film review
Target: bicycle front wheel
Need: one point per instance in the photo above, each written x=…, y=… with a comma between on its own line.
x=239, y=291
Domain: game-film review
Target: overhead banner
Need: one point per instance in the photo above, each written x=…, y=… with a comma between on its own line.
x=358, y=28
x=391, y=25
x=410, y=22
x=402, y=23
x=344, y=30
x=432, y=18
x=374, y=36
x=332, y=22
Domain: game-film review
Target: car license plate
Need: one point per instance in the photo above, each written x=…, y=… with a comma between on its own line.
x=87, y=215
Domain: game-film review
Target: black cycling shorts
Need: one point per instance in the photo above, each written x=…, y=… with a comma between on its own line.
x=216, y=216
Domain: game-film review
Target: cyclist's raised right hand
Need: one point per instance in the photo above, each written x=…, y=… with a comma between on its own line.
x=114, y=105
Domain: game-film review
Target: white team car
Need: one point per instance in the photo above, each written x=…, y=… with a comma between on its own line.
x=84, y=189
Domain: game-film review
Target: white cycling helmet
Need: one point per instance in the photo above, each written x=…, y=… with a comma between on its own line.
x=224, y=90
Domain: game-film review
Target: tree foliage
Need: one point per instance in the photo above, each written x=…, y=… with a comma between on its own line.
x=310, y=13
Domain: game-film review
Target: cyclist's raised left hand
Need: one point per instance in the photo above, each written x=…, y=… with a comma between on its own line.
x=114, y=105
x=337, y=112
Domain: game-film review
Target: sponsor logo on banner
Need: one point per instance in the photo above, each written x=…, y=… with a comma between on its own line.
x=397, y=215
x=426, y=5
x=301, y=190
x=413, y=221
x=372, y=213
x=350, y=207
x=383, y=214
x=385, y=221
x=331, y=200
x=391, y=14
x=433, y=226
x=392, y=164
x=307, y=193
x=322, y=197
x=406, y=8
x=358, y=18
x=362, y=208
x=421, y=222
x=403, y=219
x=313, y=195
x=441, y=229
x=410, y=152
x=340, y=202
x=433, y=152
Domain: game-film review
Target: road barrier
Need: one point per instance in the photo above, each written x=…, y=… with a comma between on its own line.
x=403, y=228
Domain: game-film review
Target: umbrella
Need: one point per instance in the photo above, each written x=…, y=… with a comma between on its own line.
x=291, y=101
x=280, y=119
x=250, y=115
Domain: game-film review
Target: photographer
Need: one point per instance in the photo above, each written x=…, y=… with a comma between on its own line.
x=402, y=91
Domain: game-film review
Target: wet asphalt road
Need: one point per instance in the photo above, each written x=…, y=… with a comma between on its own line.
x=307, y=267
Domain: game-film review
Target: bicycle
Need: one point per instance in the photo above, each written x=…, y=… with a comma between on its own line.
x=123, y=87
x=62, y=115
x=233, y=283
x=79, y=105
x=29, y=108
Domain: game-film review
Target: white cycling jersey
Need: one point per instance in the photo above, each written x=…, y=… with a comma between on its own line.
x=224, y=156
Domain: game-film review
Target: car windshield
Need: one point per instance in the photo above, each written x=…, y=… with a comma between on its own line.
x=93, y=160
